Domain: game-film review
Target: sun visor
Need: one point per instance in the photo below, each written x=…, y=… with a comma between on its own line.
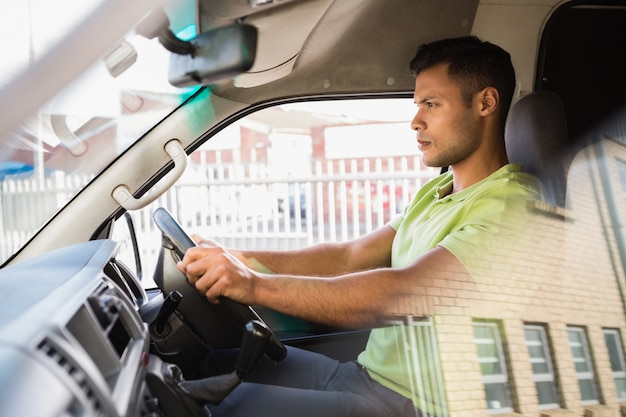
x=288, y=26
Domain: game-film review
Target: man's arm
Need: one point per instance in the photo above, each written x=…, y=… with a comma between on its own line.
x=355, y=299
x=372, y=250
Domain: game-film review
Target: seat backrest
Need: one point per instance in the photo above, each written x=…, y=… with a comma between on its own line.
x=536, y=136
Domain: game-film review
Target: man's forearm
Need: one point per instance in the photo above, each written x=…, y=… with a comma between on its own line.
x=372, y=250
x=322, y=260
x=354, y=300
x=368, y=298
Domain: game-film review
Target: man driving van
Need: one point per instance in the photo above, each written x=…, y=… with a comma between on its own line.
x=463, y=91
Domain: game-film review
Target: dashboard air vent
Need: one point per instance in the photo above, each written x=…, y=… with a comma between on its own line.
x=54, y=353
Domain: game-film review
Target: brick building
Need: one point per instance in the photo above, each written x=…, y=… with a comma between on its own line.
x=541, y=333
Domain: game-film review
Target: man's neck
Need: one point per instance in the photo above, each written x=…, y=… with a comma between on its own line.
x=470, y=171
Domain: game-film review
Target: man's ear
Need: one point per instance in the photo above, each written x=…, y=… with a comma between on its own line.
x=488, y=100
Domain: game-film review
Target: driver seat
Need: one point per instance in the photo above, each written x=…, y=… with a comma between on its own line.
x=536, y=136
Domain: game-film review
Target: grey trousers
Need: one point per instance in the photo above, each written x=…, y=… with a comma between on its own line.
x=309, y=384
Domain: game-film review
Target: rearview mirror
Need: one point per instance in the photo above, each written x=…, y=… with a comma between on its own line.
x=218, y=54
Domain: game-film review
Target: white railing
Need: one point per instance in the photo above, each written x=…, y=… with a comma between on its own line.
x=242, y=204
x=25, y=203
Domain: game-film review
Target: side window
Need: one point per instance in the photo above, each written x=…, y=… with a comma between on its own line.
x=493, y=367
x=541, y=361
x=584, y=368
x=290, y=176
x=616, y=355
x=122, y=232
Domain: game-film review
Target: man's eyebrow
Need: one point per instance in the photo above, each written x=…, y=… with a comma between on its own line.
x=424, y=100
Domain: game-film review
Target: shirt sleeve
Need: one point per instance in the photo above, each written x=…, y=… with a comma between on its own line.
x=396, y=221
x=493, y=231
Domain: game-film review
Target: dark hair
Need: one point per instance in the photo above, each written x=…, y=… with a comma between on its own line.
x=473, y=64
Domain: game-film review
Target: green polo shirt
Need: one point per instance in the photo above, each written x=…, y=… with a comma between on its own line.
x=463, y=223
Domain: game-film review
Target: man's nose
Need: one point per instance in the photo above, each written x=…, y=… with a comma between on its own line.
x=417, y=123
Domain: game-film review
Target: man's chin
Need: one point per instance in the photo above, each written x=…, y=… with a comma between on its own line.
x=431, y=163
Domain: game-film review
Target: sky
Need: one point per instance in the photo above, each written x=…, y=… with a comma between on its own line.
x=26, y=29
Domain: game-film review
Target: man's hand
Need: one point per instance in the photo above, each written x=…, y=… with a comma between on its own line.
x=215, y=273
x=201, y=241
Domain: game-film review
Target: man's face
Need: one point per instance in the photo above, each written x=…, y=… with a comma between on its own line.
x=446, y=128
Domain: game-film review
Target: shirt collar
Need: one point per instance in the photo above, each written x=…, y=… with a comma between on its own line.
x=442, y=192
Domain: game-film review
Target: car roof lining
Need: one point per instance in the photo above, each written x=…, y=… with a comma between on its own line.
x=327, y=63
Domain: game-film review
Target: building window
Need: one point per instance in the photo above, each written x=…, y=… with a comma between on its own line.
x=616, y=355
x=493, y=367
x=420, y=354
x=541, y=361
x=582, y=361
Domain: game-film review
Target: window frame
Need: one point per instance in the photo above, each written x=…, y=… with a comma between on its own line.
x=499, y=379
x=617, y=375
x=587, y=358
x=550, y=376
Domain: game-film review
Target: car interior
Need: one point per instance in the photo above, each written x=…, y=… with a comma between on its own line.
x=82, y=334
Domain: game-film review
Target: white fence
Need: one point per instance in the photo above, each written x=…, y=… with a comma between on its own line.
x=242, y=204
x=25, y=203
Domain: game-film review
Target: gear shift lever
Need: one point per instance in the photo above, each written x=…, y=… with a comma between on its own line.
x=179, y=397
x=214, y=389
x=256, y=338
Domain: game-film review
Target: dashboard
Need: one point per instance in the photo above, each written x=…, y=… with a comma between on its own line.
x=79, y=336
x=72, y=342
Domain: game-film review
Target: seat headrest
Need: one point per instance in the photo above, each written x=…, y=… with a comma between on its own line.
x=536, y=136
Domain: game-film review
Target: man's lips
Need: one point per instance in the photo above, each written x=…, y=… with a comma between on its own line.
x=422, y=144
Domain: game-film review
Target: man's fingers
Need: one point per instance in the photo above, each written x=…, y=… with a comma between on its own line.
x=215, y=272
x=193, y=255
x=201, y=241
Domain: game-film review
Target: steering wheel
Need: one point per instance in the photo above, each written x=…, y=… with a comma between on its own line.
x=220, y=325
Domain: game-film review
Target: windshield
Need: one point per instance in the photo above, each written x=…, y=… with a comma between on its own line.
x=47, y=158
